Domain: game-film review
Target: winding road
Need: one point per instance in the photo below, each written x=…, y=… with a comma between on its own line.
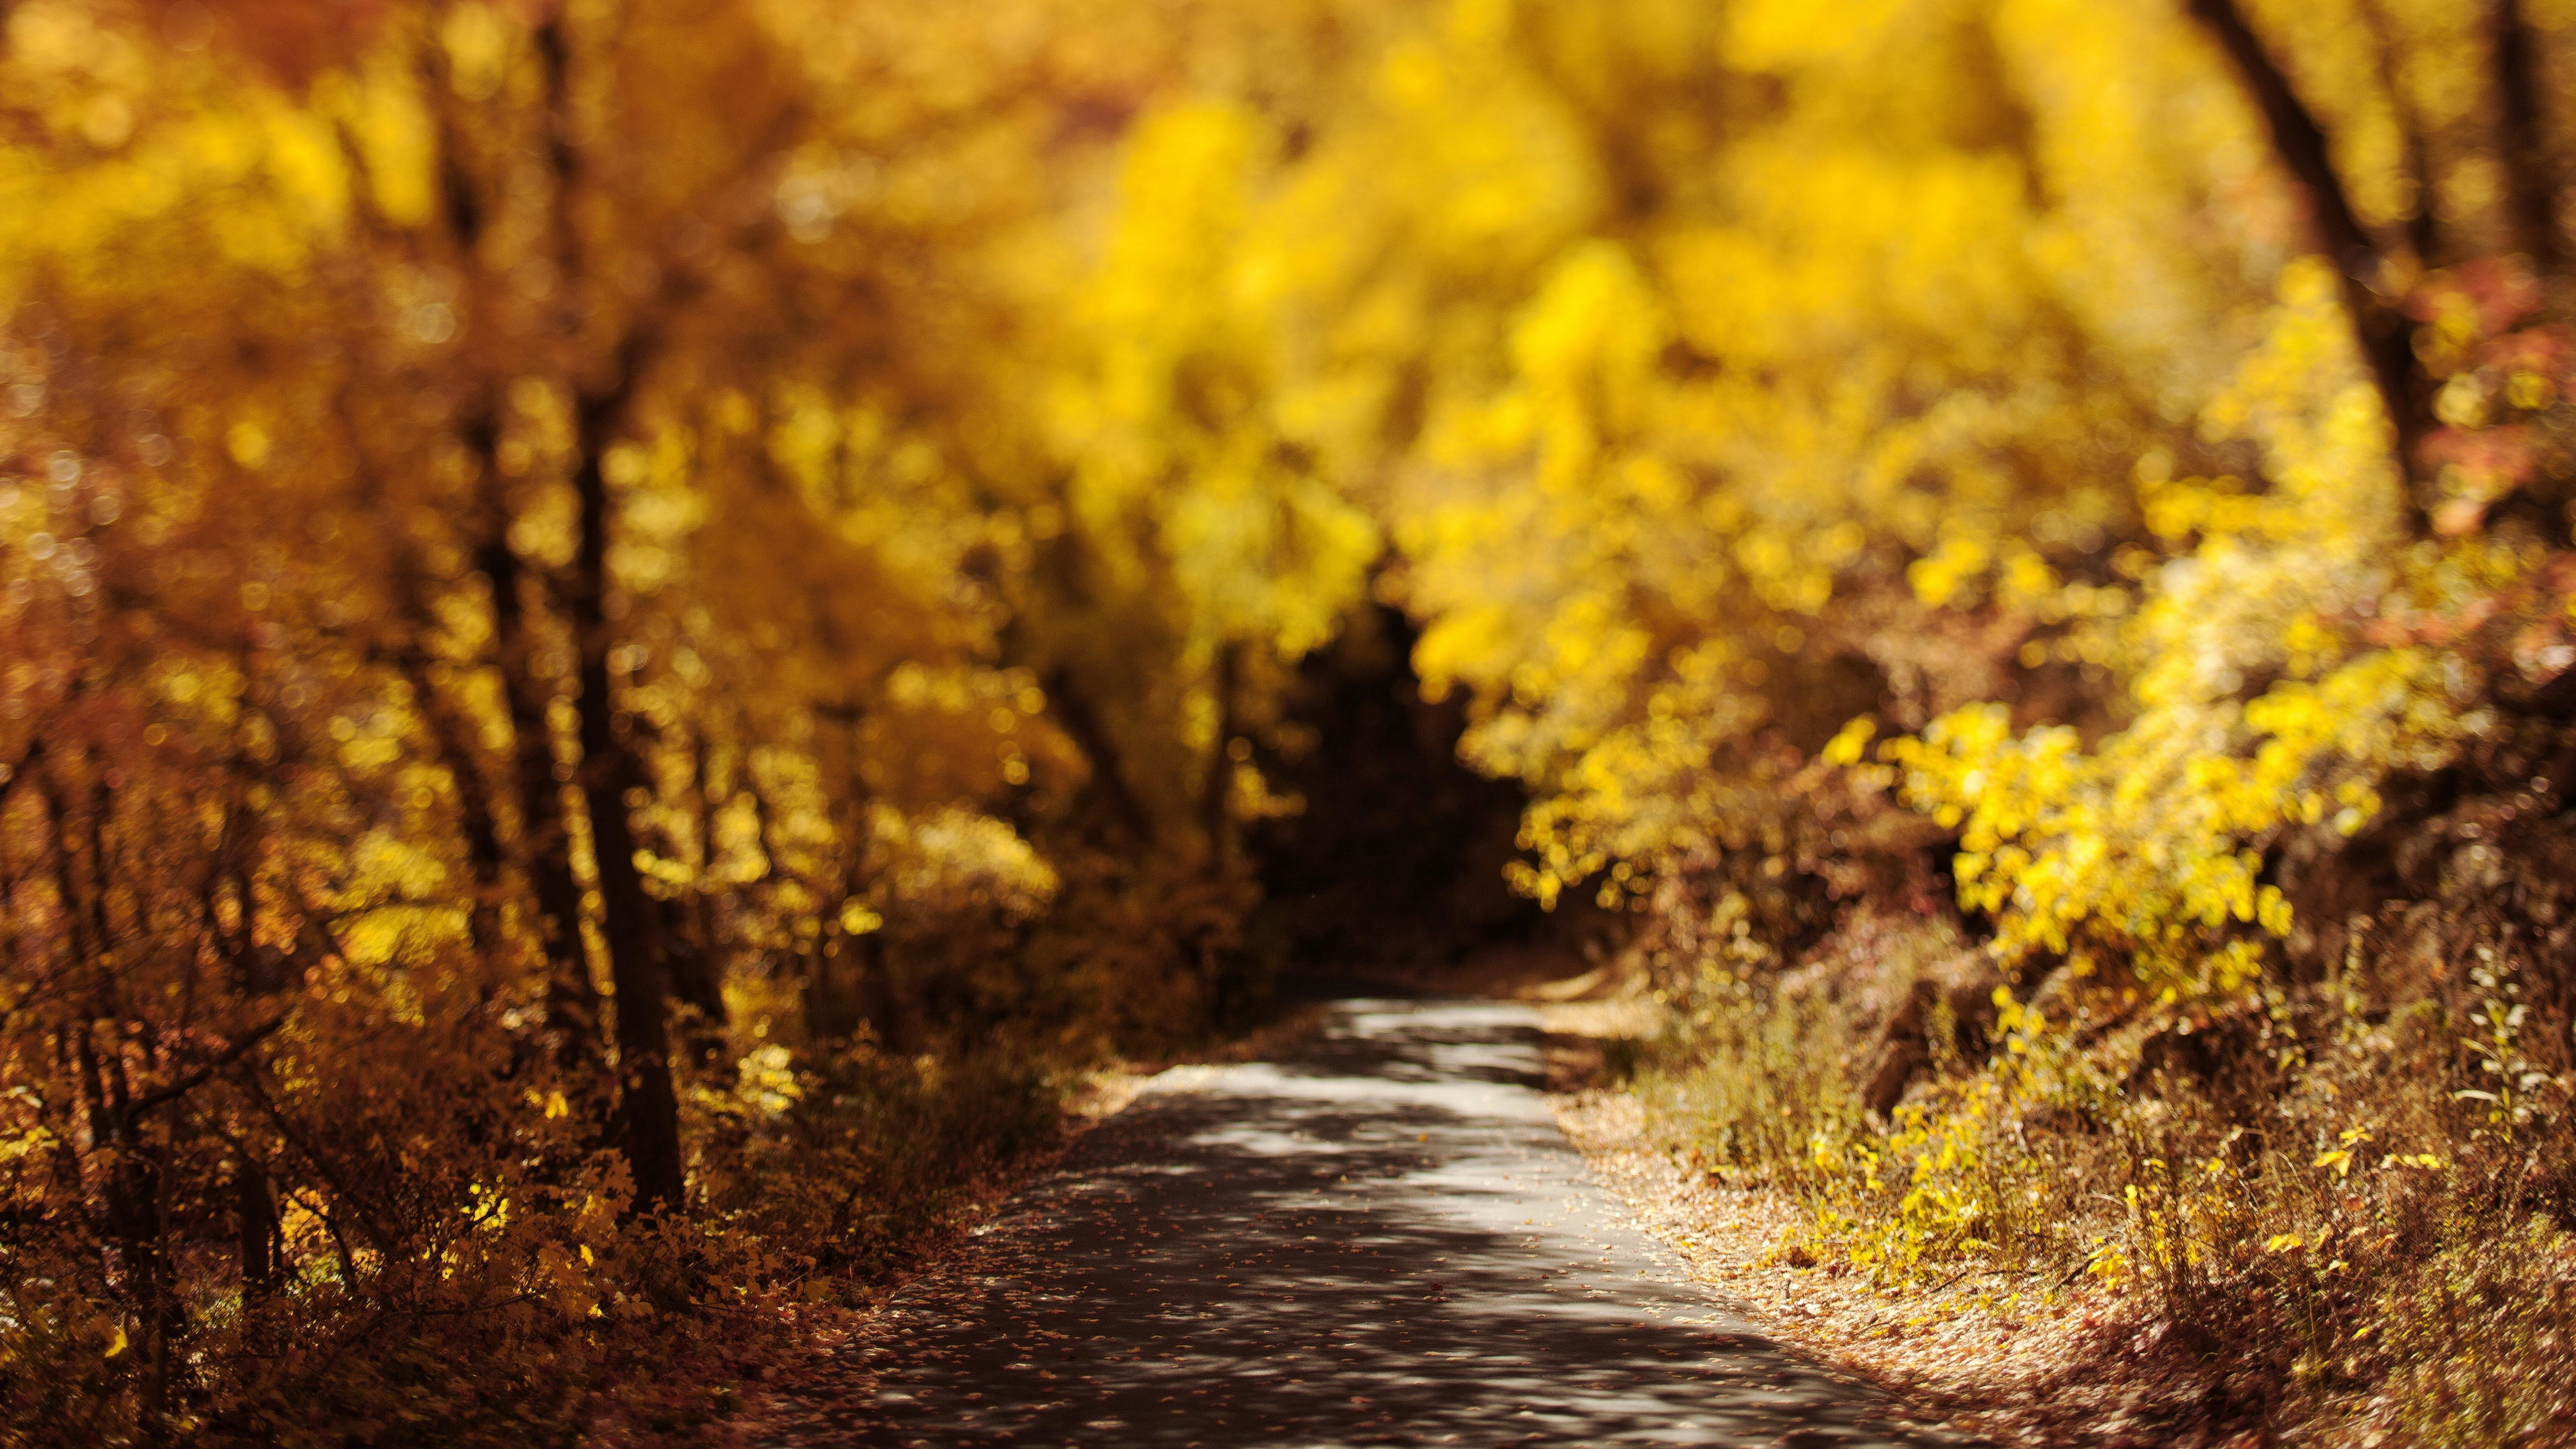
x=1379, y=1238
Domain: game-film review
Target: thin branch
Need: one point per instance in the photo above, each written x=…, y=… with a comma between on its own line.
x=217, y=1063
x=11, y=775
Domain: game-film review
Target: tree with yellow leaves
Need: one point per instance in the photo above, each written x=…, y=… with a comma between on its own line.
x=530, y=545
x=608, y=606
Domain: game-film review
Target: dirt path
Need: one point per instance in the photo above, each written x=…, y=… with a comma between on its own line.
x=1378, y=1238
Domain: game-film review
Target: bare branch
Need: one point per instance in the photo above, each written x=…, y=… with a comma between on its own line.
x=229, y=1055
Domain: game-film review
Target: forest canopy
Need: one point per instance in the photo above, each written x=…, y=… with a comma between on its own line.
x=631, y=629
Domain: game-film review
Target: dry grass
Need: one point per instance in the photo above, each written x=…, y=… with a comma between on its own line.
x=1997, y=1357
x=2248, y=1282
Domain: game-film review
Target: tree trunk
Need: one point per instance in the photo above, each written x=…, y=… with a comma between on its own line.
x=883, y=994
x=129, y=1178
x=1216, y=797
x=545, y=841
x=2381, y=328
x=612, y=775
x=256, y=1228
x=450, y=736
x=1108, y=776
x=2534, y=198
x=697, y=971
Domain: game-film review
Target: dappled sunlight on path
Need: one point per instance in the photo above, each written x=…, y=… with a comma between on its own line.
x=1380, y=1238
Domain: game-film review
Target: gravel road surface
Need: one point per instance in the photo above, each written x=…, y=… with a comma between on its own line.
x=1379, y=1238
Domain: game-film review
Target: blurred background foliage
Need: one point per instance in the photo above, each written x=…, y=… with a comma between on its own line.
x=634, y=628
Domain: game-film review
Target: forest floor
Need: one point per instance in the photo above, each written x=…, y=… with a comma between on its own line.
x=1376, y=1234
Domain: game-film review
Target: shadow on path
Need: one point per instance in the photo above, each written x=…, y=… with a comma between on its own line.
x=1381, y=1238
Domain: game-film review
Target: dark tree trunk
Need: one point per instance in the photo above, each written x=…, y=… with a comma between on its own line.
x=2380, y=326
x=545, y=841
x=450, y=735
x=883, y=994
x=1108, y=777
x=1216, y=796
x=612, y=776
x=697, y=963
x=257, y=1230
x=2532, y=178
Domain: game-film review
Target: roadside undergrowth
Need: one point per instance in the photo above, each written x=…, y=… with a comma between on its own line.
x=2334, y=1213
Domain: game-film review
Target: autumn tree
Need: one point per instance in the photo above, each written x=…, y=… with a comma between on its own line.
x=626, y=622
x=523, y=532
